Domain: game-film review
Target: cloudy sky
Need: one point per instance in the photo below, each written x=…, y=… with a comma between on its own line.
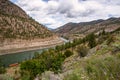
x=55, y=13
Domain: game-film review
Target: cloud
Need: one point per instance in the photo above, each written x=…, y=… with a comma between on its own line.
x=55, y=13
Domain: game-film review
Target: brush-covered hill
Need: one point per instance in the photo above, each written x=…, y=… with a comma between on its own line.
x=83, y=28
x=15, y=23
x=17, y=28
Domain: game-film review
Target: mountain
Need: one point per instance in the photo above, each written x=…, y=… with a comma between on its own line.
x=8, y=7
x=16, y=27
x=84, y=28
x=15, y=23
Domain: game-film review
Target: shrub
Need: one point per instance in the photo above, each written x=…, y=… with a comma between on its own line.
x=97, y=68
x=25, y=75
x=68, y=53
x=47, y=60
x=82, y=51
x=106, y=68
x=110, y=39
x=2, y=69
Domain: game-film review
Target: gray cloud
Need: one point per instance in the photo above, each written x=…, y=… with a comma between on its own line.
x=58, y=12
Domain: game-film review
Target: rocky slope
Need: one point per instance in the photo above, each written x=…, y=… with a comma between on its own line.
x=15, y=23
x=17, y=27
x=8, y=7
x=88, y=27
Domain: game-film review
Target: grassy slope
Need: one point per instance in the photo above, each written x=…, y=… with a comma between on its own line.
x=103, y=64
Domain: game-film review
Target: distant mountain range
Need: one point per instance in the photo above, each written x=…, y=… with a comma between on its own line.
x=87, y=27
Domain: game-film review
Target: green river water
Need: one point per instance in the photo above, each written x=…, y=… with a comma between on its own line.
x=18, y=57
x=21, y=56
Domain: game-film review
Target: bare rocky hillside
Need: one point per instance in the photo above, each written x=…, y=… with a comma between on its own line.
x=87, y=27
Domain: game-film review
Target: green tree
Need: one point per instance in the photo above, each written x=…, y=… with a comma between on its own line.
x=91, y=40
x=58, y=48
x=68, y=53
x=110, y=39
x=2, y=68
x=103, y=32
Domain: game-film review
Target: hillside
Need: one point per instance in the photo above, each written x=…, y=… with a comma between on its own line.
x=94, y=57
x=8, y=7
x=17, y=28
x=15, y=23
x=100, y=63
x=83, y=28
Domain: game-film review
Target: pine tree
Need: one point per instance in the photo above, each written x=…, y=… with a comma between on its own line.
x=91, y=40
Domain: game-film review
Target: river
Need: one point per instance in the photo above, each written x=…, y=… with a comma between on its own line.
x=20, y=56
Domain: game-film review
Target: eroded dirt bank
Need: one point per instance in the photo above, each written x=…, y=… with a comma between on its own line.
x=9, y=47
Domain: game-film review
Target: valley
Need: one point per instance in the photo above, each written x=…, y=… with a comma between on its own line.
x=31, y=50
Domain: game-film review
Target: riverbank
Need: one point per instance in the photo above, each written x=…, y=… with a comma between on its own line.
x=21, y=46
